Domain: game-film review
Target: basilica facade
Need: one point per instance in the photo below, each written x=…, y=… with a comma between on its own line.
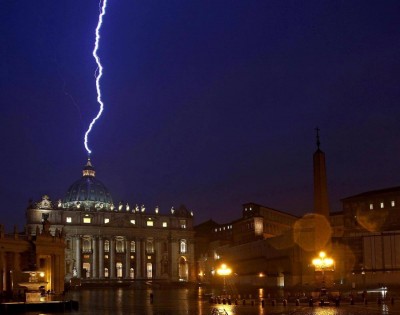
x=105, y=241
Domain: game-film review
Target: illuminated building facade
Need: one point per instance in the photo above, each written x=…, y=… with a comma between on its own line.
x=108, y=242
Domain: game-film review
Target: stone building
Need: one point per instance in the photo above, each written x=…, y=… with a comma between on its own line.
x=266, y=247
x=36, y=251
x=117, y=242
x=370, y=238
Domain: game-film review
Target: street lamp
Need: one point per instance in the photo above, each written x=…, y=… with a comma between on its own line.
x=323, y=263
x=224, y=271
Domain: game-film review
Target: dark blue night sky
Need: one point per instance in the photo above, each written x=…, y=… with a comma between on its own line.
x=210, y=104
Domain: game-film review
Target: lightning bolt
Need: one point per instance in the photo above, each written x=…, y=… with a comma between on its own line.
x=99, y=71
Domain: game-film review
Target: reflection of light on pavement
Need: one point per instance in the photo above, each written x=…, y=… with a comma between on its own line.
x=385, y=309
x=234, y=310
x=325, y=311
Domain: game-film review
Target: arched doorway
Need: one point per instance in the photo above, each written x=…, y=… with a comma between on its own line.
x=119, y=269
x=149, y=270
x=183, y=269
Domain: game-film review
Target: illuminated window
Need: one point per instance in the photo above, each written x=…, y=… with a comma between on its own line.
x=149, y=257
x=182, y=223
x=106, y=220
x=149, y=246
x=106, y=246
x=164, y=224
x=133, y=246
x=393, y=203
x=86, y=246
x=106, y=256
x=106, y=272
x=150, y=223
x=183, y=246
x=68, y=220
x=371, y=206
x=382, y=205
x=119, y=246
x=87, y=220
x=133, y=221
x=132, y=257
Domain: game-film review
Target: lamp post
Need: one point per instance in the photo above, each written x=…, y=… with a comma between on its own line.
x=323, y=263
x=224, y=271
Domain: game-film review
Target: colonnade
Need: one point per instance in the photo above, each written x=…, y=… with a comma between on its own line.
x=137, y=256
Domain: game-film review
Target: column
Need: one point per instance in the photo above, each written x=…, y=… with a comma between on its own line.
x=138, y=257
x=127, y=259
x=101, y=257
x=157, y=258
x=191, y=266
x=78, y=256
x=112, y=258
x=94, y=258
x=58, y=283
x=173, y=258
x=143, y=258
x=2, y=271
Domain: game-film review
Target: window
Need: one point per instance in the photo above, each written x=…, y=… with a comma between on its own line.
x=68, y=220
x=87, y=220
x=182, y=246
x=392, y=203
x=106, y=220
x=182, y=224
x=133, y=246
x=371, y=206
x=106, y=272
x=149, y=246
x=164, y=224
x=150, y=223
x=106, y=246
x=86, y=246
x=119, y=246
x=133, y=222
x=382, y=205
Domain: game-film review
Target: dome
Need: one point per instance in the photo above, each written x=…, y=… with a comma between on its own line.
x=88, y=192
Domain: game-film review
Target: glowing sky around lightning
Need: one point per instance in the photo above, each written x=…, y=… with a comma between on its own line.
x=98, y=72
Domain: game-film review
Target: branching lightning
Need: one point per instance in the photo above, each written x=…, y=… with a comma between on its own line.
x=99, y=71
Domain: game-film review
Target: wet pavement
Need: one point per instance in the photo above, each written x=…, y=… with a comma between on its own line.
x=184, y=301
